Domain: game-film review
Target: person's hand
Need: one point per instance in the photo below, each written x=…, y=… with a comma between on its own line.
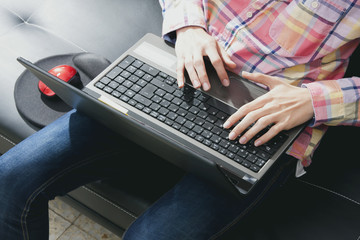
x=192, y=45
x=285, y=106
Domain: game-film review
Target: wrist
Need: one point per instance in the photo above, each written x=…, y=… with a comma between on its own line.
x=186, y=29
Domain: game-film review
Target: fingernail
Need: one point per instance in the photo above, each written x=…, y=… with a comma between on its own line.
x=257, y=143
x=232, y=136
x=226, y=124
x=226, y=82
x=242, y=140
x=196, y=84
x=206, y=86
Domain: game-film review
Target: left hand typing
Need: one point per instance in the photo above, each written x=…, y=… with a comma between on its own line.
x=285, y=106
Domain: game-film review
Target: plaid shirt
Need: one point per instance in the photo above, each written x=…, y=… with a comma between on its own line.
x=307, y=43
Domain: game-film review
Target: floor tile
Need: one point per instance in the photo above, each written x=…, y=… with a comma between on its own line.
x=64, y=210
x=57, y=225
x=75, y=233
x=94, y=229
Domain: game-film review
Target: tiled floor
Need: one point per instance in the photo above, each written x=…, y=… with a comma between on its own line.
x=66, y=223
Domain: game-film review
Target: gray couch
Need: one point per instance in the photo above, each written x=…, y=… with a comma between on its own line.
x=324, y=204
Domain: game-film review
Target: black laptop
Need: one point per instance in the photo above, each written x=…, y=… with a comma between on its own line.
x=137, y=96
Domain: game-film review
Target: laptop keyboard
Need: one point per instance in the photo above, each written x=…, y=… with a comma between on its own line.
x=190, y=111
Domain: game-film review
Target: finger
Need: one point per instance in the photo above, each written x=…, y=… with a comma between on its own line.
x=218, y=64
x=272, y=132
x=180, y=68
x=201, y=71
x=246, y=109
x=226, y=58
x=251, y=118
x=264, y=79
x=259, y=125
x=189, y=66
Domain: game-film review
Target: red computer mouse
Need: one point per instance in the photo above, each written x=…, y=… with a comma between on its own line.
x=64, y=72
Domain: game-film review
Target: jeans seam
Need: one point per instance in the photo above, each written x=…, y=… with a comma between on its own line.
x=111, y=203
x=45, y=185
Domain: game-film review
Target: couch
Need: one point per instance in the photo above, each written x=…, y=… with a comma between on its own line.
x=323, y=204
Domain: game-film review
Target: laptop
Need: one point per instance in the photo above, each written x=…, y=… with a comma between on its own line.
x=137, y=96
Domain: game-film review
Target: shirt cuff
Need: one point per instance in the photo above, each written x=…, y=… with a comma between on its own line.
x=327, y=100
x=183, y=14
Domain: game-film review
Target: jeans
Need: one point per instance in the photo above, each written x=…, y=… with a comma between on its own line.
x=76, y=150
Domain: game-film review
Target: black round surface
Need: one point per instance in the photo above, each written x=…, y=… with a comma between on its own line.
x=40, y=110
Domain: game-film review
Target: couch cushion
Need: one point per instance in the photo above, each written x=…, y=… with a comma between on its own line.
x=38, y=29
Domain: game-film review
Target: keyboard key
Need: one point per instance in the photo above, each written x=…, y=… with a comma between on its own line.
x=160, y=92
x=180, y=120
x=198, y=129
x=176, y=126
x=181, y=112
x=139, y=73
x=99, y=85
x=184, y=130
x=139, y=106
x=125, y=74
x=251, y=158
x=113, y=84
x=130, y=93
x=216, y=139
x=163, y=111
x=154, y=114
x=255, y=168
x=207, y=142
x=108, y=89
x=194, y=110
x=150, y=70
x=215, y=146
x=246, y=164
x=124, y=98
x=105, y=80
x=113, y=73
x=189, y=125
x=126, y=62
x=190, y=116
x=137, y=63
x=147, y=77
x=119, y=79
x=131, y=69
x=162, y=85
x=230, y=155
x=142, y=100
x=238, y=159
x=154, y=106
x=121, y=89
x=116, y=94
x=148, y=91
x=224, y=143
x=207, y=126
x=172, y=115
x=199, y=138
x=191, y=134
x=206, y=134
x=199, y=121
